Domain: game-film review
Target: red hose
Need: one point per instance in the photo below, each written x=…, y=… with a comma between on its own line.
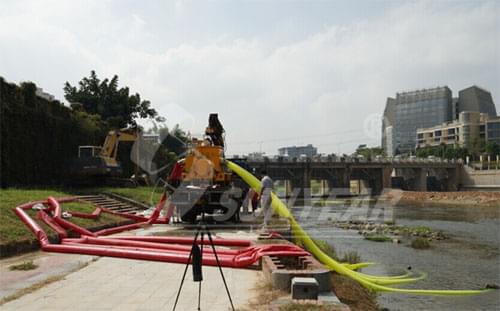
x=94, y=215
x=52, y=224
x=186, y=240
x=154, y=248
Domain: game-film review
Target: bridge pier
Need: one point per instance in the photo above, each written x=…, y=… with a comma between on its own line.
x=380, y=180
x=420, y=180
x=453, y=180
x=288, y=188
x=302, y=184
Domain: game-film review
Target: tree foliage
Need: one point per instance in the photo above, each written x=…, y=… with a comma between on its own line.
x=114, y=105
x=174, y=140
x=369, y=152
x=455, y=152
x=173, y=144
x=443, y=151
x=492, y=149
x=38, y=136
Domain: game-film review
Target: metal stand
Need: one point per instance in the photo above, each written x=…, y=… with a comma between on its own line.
x=202, y=229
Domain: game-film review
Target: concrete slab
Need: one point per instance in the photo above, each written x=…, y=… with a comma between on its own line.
x=123, y=284
x=118, y=284
x=49, y=265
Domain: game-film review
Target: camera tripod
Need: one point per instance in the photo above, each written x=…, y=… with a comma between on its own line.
x=196, y=259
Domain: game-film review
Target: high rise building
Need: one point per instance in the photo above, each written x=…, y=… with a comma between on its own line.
x=413, y=110
x=477, y=99
x=387, y=124
x=428, y=108
x=492, y=130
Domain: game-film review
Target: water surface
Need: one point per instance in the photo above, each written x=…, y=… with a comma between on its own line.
x=469, y=259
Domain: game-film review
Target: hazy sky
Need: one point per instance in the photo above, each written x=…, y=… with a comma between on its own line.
x=277, y=72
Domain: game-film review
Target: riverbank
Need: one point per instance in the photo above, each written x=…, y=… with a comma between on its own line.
x=462, y=198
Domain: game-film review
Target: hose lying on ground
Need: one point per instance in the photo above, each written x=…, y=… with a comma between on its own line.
x=377, y=283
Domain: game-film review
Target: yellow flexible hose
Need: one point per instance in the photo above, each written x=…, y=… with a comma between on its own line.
x=376, y=283
x=360, y=265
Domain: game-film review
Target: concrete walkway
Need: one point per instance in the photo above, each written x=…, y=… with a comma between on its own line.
x=50, y=266
x=123, y=284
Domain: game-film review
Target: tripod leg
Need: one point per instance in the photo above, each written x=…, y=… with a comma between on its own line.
x=220, y=268
x=185, y=271
x=199, y=284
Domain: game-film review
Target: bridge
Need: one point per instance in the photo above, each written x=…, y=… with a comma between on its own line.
x=372, y=176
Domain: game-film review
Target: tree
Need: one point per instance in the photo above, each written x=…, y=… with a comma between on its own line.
x=369, y=152
x=445, y=151
x=161, y=156
x=115, y=105
x=492, y=149
x=174, y=140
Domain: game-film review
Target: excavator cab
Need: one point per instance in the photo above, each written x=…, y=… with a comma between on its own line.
x=88, y=151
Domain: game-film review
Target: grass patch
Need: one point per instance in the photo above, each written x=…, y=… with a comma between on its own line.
x=351, y=257
x=420, y=243
x=326, y=248
x=24, y=266
x=421, y=230
x=13, y=230
x=378, y=238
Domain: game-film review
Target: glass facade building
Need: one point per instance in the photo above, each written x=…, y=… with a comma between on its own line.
x=493, y=130
x=418, y=109
x=427, y=108
x=477, y=99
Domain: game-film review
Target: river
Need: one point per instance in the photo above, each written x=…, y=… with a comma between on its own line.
x=468, y=259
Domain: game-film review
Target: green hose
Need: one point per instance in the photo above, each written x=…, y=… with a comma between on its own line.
x=377, y=283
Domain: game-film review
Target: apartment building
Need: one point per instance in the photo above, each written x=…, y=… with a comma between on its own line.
x=469, y=129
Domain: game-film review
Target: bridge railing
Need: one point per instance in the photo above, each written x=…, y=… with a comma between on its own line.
x=351, y=159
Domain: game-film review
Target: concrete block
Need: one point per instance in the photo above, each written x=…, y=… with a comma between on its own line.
x=305, y=288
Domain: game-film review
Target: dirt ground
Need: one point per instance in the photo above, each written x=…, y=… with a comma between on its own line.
x=471, y=198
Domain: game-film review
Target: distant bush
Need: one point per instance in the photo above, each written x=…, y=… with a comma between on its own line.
x=420, y=243
x=378, y=238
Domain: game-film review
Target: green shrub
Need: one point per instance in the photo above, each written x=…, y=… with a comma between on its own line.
x=420, y=243
x=326, y=248
x=378, y=238
x=422, y=230
x=351, y=257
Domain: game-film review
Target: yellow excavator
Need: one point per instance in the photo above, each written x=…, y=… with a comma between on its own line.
x=97, y=165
